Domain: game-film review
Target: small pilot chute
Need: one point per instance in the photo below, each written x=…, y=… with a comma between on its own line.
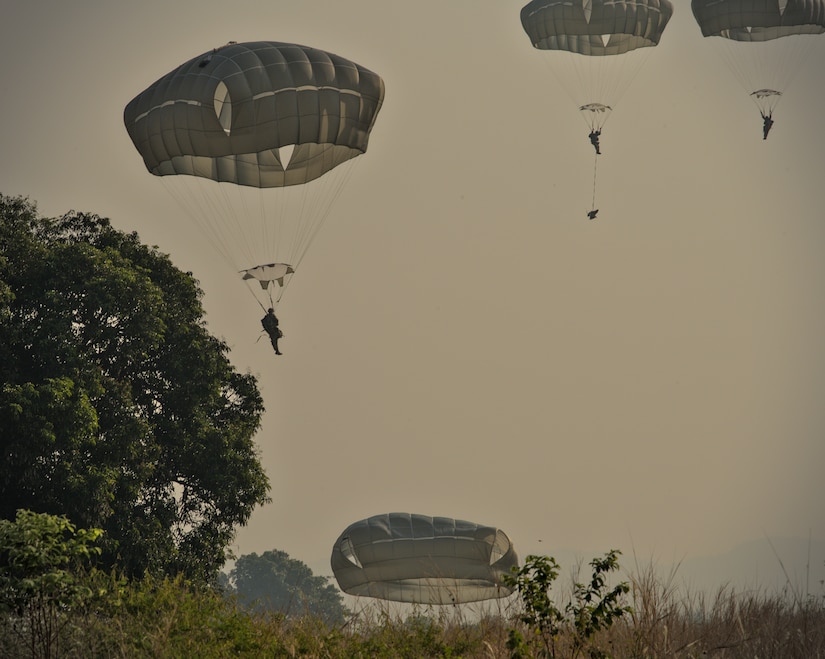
x=269, y=273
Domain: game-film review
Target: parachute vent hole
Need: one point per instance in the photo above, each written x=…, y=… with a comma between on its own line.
x=349, y=552
x=500, y=547
x=285, y=155
x=223, y=107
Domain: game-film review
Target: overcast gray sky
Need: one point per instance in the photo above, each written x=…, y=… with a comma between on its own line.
x=460, y=339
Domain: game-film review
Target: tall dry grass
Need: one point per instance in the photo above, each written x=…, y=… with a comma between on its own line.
x=668, y=620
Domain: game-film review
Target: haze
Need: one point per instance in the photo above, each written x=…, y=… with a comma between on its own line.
x=460, y=339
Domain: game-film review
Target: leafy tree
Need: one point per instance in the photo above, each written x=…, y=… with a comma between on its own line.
x=118, y=409
x=39, y=557
x=275, y=582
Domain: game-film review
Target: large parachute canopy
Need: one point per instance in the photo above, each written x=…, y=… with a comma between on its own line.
x=406, y=557
x=595, y=47
x=254, y=139
x=763, y=42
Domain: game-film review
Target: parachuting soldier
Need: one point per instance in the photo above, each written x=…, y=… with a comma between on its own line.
x=270, y=325
x=594, y=140
x=766, y=125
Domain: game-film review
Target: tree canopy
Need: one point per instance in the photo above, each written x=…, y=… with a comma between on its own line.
x=275, y=582
x=118, y=409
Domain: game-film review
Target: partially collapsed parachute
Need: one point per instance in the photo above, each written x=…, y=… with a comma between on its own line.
x=600, y=33
x=257, y=121
x=763, y=42
x=425, y=560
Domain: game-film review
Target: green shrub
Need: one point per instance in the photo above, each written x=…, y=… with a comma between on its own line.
x=593, y=608
x=40, y=558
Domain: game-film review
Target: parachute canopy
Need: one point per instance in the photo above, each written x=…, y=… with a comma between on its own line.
x=595, y=48
x=265, y=115
x=595, y=27
x=758, y=20
x=425, y=560
x=764, y=43
x=226, y=114
x=612, y=35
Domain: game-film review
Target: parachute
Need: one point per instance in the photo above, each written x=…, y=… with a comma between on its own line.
x=255, y=140
x=413, y=558
x=595, y=48
x=763, y=43
x=591, y=41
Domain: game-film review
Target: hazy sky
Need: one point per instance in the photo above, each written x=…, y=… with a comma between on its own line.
x=460, y=339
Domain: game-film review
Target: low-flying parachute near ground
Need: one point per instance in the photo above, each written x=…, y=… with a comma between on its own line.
x=763, y=42
x=255, y=141
x=405, y=557
x=595, y=48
